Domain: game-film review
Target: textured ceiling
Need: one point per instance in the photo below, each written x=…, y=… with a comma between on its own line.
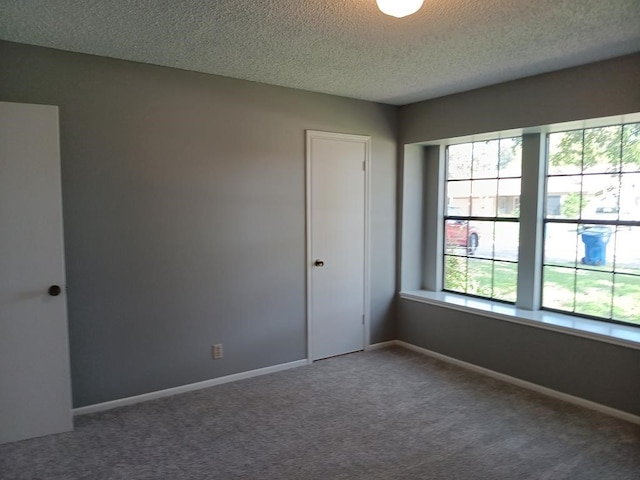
x=342, y=47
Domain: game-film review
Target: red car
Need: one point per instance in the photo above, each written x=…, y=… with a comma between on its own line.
x=458, y=233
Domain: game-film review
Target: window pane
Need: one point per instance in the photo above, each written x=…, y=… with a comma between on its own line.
x=483, y=198
x=626, y=298
x=463, y=237
x=594, y=293
x=505, y=281
x=565, y=152
x=455, y=274
x=459, y=161
x=506, y=241
x=558, y=288
x=480, y=278
x=630, y=196
x=568, y=192
x=485, y=159
x=510, y=157
x=561, y=245
x=553, y=206
x=596, y=249
x=481, y=239
x=600, y=195
x=631, y=148
x=459, y=197
x=627, y=250
x=602, y=149
x=509, y=197
x=456, y=233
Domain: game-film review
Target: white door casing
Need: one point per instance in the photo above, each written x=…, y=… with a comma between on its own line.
x=337, y=235
x=35, y=387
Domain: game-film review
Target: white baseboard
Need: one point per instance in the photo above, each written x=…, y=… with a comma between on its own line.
x=377, y=346
x=99, y=407
x=524, y=384
x=121, y=402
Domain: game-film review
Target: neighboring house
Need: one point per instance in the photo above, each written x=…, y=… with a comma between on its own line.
x=596, y=195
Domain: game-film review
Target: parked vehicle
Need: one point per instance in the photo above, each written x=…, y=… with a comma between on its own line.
x=605, y=213
x=609, y=213
x=458, y=233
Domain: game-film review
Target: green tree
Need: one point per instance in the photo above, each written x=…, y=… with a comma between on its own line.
x=631, y=145
x=598, y=146
x=486, y=157
x=510, y=150
x=572, y=205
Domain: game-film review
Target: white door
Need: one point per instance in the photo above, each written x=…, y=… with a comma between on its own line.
x=35, y=392
x=337, y=242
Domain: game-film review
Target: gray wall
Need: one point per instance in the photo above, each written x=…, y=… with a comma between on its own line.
x=597, y=371
x=411, y=218
x=601, y=372
x=184, y=216
x=596, y=90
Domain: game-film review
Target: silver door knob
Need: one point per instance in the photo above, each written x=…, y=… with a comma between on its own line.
x=319, y=263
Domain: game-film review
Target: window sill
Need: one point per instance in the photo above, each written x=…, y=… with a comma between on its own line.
x=627, y=336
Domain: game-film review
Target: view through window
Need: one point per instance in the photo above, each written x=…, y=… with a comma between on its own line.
x=591, y=245
x=592, y=223
x=481, y=227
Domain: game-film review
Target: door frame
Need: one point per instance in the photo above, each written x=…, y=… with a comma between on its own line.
x=366, y=140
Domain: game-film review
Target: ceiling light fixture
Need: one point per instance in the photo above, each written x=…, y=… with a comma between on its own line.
x=399, y=8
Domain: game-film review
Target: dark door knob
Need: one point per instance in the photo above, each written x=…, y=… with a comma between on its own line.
x=319, y=263
x=54, y=290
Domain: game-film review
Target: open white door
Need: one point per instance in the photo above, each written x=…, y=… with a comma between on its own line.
x=337, y=250
x=35, y=391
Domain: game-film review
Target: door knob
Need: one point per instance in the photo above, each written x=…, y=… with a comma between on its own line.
x=319, y=263
x=54, y=290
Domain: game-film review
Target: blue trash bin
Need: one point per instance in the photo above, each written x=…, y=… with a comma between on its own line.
x=595, y=241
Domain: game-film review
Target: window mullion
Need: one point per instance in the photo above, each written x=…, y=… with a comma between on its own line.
x=531, y=224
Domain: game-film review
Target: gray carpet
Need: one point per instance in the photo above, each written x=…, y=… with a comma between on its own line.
x=386, y=414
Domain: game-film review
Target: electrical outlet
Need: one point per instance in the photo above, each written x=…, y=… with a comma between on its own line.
x=216, y=351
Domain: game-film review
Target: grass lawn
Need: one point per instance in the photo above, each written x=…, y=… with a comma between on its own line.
x=593, y=291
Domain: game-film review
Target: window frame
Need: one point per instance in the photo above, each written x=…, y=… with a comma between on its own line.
x=584, y=223
x=495, y=218
x=431, y=192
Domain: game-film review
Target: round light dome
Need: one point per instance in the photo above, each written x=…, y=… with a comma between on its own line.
x=399, y=8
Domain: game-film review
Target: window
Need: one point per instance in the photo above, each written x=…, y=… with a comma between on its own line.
x=548, y=221
x=481, y=219
x=592, y=223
